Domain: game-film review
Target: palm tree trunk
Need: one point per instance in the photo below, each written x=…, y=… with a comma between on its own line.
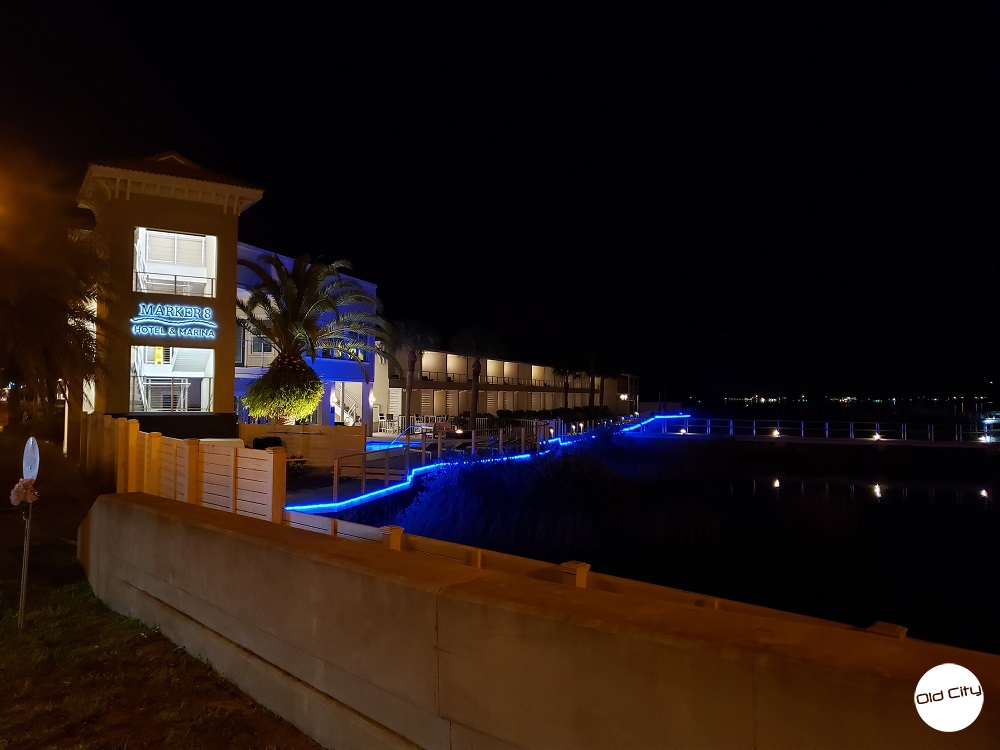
x=477, y=368
x=411, y=366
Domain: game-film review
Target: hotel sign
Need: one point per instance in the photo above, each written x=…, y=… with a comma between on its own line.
x=174, y=321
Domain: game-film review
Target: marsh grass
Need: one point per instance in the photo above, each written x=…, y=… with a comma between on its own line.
x=81, y=676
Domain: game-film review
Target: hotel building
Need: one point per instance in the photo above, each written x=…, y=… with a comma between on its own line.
x=177, y=345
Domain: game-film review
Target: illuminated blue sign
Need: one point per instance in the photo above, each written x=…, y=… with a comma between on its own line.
x=174, y=321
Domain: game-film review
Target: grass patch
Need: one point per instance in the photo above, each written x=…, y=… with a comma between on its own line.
x=81, y=676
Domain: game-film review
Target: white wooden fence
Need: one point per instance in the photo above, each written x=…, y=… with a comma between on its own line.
x=221, y=474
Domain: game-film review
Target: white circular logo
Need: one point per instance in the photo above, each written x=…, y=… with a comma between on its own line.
x=948, y=697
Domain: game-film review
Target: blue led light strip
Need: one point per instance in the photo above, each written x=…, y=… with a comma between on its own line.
x=408, y=482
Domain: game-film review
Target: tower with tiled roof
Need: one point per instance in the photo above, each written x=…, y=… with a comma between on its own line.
x=171, y=228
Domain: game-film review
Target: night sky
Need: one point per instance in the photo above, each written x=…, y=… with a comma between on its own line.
x=728, y=200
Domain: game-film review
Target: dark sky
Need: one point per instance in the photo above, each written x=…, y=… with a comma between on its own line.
x=725, y=200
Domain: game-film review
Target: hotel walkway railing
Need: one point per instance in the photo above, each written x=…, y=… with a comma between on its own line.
x=934, y=432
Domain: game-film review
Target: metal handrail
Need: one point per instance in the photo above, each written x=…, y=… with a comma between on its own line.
x=854, y=430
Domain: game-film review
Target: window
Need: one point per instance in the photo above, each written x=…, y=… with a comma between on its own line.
x=183, y=380
x=260, y=345
x=174, y=263
x=241, y=335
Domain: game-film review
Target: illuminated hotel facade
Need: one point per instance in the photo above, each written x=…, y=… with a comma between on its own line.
x=176, y=343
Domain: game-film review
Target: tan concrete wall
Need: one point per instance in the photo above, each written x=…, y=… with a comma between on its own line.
x=362, y=645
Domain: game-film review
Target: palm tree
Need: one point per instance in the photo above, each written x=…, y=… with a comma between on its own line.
x=300, y=310
x=566, y=372
x=476, y=342
x=591, y=373
x=413, y=337
x=49, y=331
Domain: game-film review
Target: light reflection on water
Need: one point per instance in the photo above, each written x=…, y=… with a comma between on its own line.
x=767, y=528
x=878, y=491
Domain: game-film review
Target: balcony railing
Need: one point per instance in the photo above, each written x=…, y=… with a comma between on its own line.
x=860, y=431
x=500, y=380
x=164, y=283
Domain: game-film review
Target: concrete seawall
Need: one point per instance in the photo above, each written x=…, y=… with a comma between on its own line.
x=362, y=646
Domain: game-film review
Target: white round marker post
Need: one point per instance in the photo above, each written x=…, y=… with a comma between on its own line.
x=29, y=470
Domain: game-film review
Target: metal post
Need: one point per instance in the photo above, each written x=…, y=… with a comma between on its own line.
x=852, y=430
x=730, y=428
x=802, y=429
x=826, y=429
x=24, y=568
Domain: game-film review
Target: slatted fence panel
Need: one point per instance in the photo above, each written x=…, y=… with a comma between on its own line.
x=181, y=474
x=309, y=522
x=217, y=470
x=255, y=482
x=349, y=530
x=168, y=467
x=141, y=447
